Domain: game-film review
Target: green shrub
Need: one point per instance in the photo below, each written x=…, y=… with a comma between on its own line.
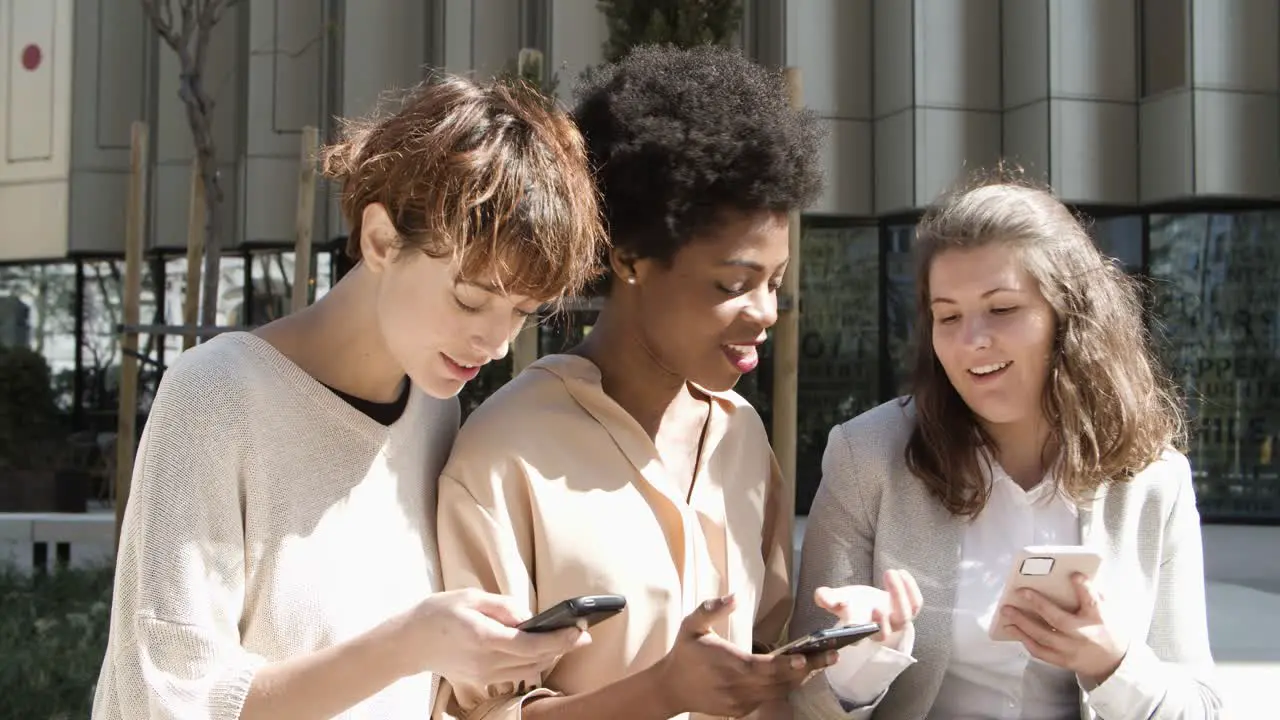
x=53, y=631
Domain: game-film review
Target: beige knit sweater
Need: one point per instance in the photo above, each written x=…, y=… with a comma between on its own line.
x=267, y=519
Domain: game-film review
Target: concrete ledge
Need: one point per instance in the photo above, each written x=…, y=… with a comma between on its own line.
x=31, y=539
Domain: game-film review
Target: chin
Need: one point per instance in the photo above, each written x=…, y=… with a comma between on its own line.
x=438, y=388
x=997, y=414
x=718, y=381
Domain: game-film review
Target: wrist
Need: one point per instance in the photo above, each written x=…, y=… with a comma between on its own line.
x=392, y=640
x=657, y=682
x=1103, y=674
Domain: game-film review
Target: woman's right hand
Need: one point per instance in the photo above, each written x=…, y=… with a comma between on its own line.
x=470, y=636
x=706, y=674
x=893, y=608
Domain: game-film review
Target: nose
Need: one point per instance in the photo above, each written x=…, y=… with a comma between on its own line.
x=976, y=333
x=762, y=307
x=493, y=338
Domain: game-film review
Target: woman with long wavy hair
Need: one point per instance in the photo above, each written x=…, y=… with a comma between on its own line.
x=1038, y=417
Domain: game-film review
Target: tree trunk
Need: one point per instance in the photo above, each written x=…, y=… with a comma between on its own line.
x=198, y=112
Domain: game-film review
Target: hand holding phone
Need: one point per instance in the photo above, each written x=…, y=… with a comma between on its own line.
x=828, y=640
x=582, y=611
x=1048, y=570
x=706, y=674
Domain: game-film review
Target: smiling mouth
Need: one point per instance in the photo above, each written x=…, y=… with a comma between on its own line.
x=989, y=369
x=465, y=366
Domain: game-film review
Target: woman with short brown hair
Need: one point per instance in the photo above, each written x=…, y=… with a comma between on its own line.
x=278, y=555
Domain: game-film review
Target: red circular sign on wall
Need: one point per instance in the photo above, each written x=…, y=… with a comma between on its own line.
x=31, y=57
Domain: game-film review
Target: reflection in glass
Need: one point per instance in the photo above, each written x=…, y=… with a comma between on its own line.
x=839, y=340
x=37, y=311
x=1121, y=238
x=900, y=307
x=323, y=280
x=1217, y=299
x=231, y=306
x=272, y=277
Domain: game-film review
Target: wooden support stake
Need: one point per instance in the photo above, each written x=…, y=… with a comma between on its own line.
x=786, y=339
x=306, y=218
x=195, y=253
x=135, y=236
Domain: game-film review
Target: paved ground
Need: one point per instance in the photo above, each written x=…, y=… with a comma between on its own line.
x=1242, y=570
x=1242, y=574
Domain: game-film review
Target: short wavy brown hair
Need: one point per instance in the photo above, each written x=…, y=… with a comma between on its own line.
x=1111, y=409
x=493, y=174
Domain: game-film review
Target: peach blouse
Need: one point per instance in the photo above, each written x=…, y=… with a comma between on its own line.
x=554, y=491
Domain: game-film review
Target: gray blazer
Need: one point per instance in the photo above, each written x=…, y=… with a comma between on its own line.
x=871, y=514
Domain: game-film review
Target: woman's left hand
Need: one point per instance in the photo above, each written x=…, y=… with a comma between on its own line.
x=1088, y=642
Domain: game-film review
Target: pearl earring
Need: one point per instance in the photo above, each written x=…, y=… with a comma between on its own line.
x=631, y=280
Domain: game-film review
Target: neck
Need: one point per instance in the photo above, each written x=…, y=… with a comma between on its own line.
x=629, y=371
x=1021, y=448
x=338, y=342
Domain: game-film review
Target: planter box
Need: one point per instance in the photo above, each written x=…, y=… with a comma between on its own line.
x=63, y=491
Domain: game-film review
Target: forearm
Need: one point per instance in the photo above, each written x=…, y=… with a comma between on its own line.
x=324, y=683
x=635, y=697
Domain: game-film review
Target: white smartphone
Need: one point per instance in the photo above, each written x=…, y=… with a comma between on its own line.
x=1047, y=569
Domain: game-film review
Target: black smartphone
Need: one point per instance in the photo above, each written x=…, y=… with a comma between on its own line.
x=825, y=640
x=590, y=609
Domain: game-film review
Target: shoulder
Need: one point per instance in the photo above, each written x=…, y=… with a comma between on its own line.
x=217, y=378
x=866, y=453
x=881, y=432
x=437, y=421
x=531, y=410
x=1154, y=491
x=744, y=419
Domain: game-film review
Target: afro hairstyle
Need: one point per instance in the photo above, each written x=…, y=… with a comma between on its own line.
x=677, y=137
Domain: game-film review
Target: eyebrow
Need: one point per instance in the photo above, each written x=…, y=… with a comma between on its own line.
x=749, y=264
x=985, y=295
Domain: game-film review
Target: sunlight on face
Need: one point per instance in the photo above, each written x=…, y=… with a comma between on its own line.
x=993, y=331
x=705, y=314
x=442, y=328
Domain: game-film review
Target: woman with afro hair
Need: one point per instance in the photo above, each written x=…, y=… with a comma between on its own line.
x=628, y=465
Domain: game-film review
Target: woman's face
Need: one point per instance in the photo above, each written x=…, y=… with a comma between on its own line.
x=439, y=326
x=993, y=331
x=704, y=316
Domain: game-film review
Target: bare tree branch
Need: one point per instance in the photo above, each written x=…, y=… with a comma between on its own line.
x=190, y=43
x=161, y=14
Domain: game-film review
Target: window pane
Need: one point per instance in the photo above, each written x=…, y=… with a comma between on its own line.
x=1121, y=238
x=1217, y=296
x=900, y=307
x=839, y=340
x=272, y=274
x=37, y=311
x=323, y=272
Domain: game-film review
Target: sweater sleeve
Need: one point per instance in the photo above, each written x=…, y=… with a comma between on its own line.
x=174, y=648
x=1169, y=676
